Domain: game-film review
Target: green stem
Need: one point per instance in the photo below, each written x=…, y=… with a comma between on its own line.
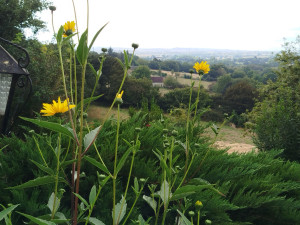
x=115, y=165
x=80, y=143
x=56, y=176
x=197, y=99
x=76, y=23
x=198, y=219
x=128, y=180
x=187, y=128
x=186, y=172
x=65, y=89
x=71, y=80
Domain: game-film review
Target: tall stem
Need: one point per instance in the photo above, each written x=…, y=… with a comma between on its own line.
x=197, y=99
x=187, y=128
x=115, y=165
x=80, y=143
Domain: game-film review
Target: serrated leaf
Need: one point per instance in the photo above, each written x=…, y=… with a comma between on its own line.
x=43, y=168
x=97, y=164
x=123, y=160
x=51, y=126
x=6, y=211
x=95, y=221
x=89, y=138
x=38, y=182
x=118, y=213
x=92, y=196
x=51, y=203
x=95, y=36
x=59, y=35
x=82, y=49
x=37, y=220
x=151, y=202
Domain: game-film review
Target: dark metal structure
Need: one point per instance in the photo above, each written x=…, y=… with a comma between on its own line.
x=14, y=82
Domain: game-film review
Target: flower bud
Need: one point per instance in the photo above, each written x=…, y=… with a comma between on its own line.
x=165, y=131
x=198, y=205
x=208, y=222
x=191, y=71
x=142, y=180
x=52, y=8
x=104, y=50
x=137, y=129
x=135, y=46
x=191, y=213
x=174, y=133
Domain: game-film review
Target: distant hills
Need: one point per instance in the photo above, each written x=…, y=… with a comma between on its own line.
x=205, y=53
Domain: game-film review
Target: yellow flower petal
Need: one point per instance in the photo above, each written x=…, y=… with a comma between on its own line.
x=56, y=107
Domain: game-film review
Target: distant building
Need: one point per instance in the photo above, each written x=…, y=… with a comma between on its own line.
x=157, y=81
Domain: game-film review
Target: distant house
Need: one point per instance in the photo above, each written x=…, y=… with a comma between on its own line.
x=157, y=81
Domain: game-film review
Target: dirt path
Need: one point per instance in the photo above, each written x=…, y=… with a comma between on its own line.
x=235, y=147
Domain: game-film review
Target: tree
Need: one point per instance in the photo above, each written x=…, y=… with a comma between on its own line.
x=276, y=118
x=141, y=72
x=17, y=15
x=171, y=82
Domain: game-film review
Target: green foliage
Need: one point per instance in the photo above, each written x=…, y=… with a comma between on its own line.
x=179, y=97
x=141, y=72
x=138, y=89
x=171, y=83
x=17, y=15
x=251, y=191
x=223, y=82
x=276, y=118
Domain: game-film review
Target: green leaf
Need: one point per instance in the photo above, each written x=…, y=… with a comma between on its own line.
x=87, y=100
x=163, y=162
x=136, y=185
x=66, y=39
x=92, y=197
x=151, y=202
x=185, y=220
x=59, y=35
x=93, y=69
x=51, y=203
x=37, y=220
x=126, y=60
x=89, y=138
x=82, y=199
x=82, y=49
x=120, y=214
x=164, y=192
x=51, y=126
x=3, y=148
x=66, y=163
x=38, y=182
x=97, y=164
x=187, y=190
x=95, y=221
x=95, y=36
x=43, y=168
x=6, y=211
x=123, y=160
x=120, y=62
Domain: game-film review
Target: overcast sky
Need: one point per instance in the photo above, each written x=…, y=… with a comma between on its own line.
x=219, y=24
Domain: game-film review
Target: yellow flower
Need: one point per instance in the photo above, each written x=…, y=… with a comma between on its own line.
x=119, y=99
x=201, y=68
x=56, y=107
x=69, y=28
x=120, y=95
x=198, y=205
